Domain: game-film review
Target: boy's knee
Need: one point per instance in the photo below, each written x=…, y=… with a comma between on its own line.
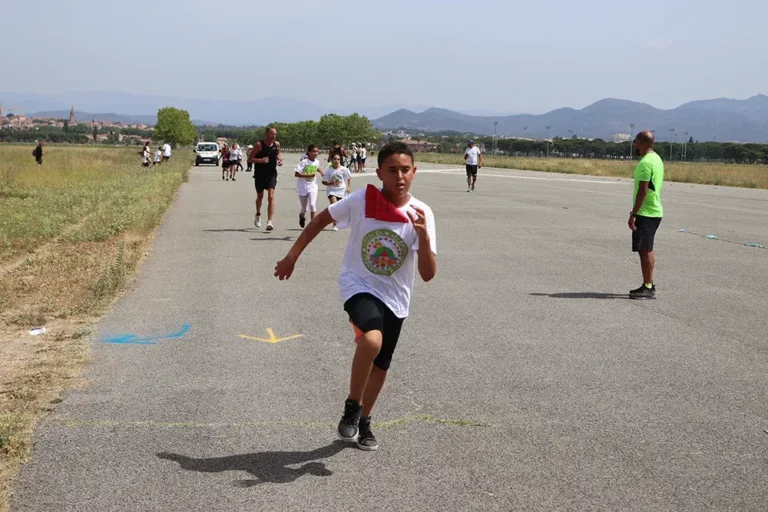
x=371, y=340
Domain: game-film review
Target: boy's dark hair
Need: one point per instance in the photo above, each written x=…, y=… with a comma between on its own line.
x=394, y=148
x=311, y=147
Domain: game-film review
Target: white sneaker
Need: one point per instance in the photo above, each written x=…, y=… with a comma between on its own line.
x=257, y=221
x=270, y=227
x=334, y=228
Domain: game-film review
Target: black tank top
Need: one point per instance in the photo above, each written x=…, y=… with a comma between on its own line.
x=271, y=152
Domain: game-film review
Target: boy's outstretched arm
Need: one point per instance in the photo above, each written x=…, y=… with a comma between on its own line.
x=284, y=267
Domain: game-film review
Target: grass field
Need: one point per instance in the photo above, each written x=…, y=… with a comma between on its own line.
x=731, y=175
x=71, y=233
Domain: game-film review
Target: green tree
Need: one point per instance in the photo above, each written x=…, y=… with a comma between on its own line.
x=174, y=126
x=95, y=134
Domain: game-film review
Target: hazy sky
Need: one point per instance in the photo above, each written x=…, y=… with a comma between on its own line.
x=484, y=55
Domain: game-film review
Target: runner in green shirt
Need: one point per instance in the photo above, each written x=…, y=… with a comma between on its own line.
x=647, y=211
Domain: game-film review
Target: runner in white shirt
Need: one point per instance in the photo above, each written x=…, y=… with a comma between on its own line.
x=392, y=235
x=353, y=157
x=235, y=156
x=306, y=183
x=361, y=156
x=338, y=179
x=474, y=158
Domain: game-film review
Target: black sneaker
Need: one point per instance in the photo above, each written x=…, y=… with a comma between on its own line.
x=302, y=220
x=643, y=292
x=365, y=438
x=349, y=421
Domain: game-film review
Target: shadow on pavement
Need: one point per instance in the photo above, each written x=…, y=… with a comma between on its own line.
x=582, y=295
x=273, y=239
x=267, y=467
x=241, y=230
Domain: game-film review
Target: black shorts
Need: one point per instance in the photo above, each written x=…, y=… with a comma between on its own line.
x=225, y=164
x=265, y=181
x=368, y=313
x=471, y=170
x=642, y=237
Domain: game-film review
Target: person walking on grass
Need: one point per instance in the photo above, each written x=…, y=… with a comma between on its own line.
x=338, y=179
x=474, y=161
x=158, y=156
x=647, y=211
x=38, y=153
x=266, y=158
x=146, y=155
x=306, y=183
x=392, y=234
x=166, y=152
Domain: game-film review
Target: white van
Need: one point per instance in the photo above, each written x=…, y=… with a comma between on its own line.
x=207, y=153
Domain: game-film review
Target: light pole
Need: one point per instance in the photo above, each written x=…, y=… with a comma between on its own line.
x=631, y=134
x=685, y=148
x=495, y=144
x=671, y=142
x=548, y=139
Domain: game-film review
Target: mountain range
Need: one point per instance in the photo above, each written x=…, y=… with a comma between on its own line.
x=720, y=119
x=91, y=105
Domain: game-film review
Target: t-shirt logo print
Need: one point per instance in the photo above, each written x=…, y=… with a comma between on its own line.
x=383, y=252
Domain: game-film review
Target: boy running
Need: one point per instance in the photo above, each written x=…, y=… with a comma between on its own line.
x=338, y=179
x=306, y=184
x=388, y=228
x=158, y=156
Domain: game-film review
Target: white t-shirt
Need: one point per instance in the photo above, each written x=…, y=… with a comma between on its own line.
x=145, y=154
x=474, y=155
x=361, y=152
x=158, y=154
x=380, y=258
x=308, y=167
x=166, y=149
x=338, y=179
x=235, y=155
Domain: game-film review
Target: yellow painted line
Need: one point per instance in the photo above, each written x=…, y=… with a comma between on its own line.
x=272, y=338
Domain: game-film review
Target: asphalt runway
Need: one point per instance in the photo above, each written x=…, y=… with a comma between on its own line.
x=524, y=378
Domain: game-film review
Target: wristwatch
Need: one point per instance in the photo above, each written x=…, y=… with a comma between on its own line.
x=632, y=214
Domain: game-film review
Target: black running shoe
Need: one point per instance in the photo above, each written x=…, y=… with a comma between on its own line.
x=365, y=438
x=348, y=426
x=643, y=293
x=302, y=220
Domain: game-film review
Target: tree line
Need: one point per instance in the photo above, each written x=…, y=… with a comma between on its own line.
x=330, y=128
x=691, y=151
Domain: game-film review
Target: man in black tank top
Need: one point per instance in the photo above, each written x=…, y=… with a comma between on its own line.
x=265, y=157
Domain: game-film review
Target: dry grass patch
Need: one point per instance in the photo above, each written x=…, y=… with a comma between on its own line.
x=71, y=234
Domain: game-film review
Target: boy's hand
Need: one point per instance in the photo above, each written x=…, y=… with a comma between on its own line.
x=419, y=220
x=284, y=267
x=279, y=162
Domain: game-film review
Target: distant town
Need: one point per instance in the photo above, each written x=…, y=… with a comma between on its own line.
x=12, y=119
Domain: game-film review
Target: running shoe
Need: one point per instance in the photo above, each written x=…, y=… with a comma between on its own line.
x=257, y=221
x=643, y=293
x=348, y=426
x=365, y=438
x=270, y=227
x=302, y=220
